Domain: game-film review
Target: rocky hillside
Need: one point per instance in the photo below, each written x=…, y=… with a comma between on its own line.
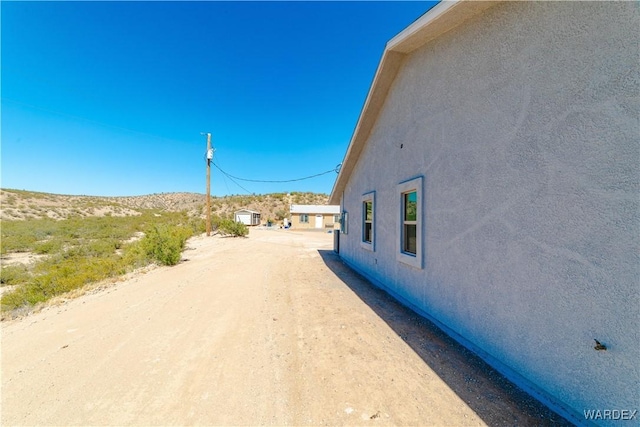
x=20, y=205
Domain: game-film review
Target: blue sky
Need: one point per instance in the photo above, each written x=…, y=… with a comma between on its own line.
x=109, y=98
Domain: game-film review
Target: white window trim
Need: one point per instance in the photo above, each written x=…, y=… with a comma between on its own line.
x=369, y=197
x=416, y=185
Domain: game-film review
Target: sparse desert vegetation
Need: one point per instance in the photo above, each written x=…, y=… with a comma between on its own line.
x=52, y=244
x=77, y=251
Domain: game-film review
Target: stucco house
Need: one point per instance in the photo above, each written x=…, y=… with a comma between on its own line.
x=508, y=208
x=247, y=217
x=315, y=216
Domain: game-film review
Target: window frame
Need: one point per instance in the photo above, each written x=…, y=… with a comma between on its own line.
x=408, y=222
x=406, y=187
x=304, y=218
x=369, y=197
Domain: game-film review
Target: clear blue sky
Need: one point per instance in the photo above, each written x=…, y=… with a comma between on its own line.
x=109, y=98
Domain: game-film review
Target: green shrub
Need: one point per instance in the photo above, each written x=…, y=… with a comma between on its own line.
x=58, y=276
x=14, y=275
x=16, y=242
x=47, y=247
x=100, y=248
x=231, y=228
x=164, y=244
x=135, y=256
x=23, y=295
x=217, y=220
x=198, y=225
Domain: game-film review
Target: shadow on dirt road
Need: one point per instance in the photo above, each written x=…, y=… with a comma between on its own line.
x=492, y=397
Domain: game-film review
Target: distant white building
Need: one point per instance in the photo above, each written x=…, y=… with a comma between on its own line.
x=247, y=217
x=315, y=216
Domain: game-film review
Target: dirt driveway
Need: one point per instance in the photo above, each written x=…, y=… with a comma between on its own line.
x=268, y=330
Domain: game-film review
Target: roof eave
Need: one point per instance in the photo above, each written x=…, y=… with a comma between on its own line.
x=386, y=72
x=443, y=17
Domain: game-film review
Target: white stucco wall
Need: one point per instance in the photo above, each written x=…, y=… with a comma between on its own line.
x=524, y=124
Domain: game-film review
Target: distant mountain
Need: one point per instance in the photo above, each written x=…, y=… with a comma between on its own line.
x=20, y=204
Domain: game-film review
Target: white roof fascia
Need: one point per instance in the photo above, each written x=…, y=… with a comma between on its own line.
x=443, y=17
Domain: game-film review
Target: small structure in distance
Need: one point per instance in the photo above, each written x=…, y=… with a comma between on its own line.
x=315, y=216
x=247, y=217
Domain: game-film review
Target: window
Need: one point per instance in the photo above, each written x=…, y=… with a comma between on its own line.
x=368, y=221
x=367, y=232
x=336, y=218
x=304, y=218
x=410, y=232
x=409, y=210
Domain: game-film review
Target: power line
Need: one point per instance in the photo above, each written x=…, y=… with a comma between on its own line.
x=224, y=179
x=336, y=170
x=231, y=178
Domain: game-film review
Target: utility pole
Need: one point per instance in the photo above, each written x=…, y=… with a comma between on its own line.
x=209, y=158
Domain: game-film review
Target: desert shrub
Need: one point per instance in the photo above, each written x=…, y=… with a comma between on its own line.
x=134, y=255
x=16, y=243
x=97, y=248
x=197, y=225
x=231, y=228
x=14, y=275
x=47, y=247
x=59, y=276
x=215, y=221
x=21, y=236
x=23, y=295
x=164, y=244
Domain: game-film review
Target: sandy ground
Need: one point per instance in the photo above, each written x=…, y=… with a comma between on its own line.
x=268, y=330
x=20, y=258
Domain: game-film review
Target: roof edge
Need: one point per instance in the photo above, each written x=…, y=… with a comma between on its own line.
x=385, y=74
x=441, y=18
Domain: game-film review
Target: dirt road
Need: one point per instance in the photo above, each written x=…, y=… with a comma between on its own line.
x=267, y=330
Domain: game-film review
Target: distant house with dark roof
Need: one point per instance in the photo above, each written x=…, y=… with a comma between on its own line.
x=492, y=184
